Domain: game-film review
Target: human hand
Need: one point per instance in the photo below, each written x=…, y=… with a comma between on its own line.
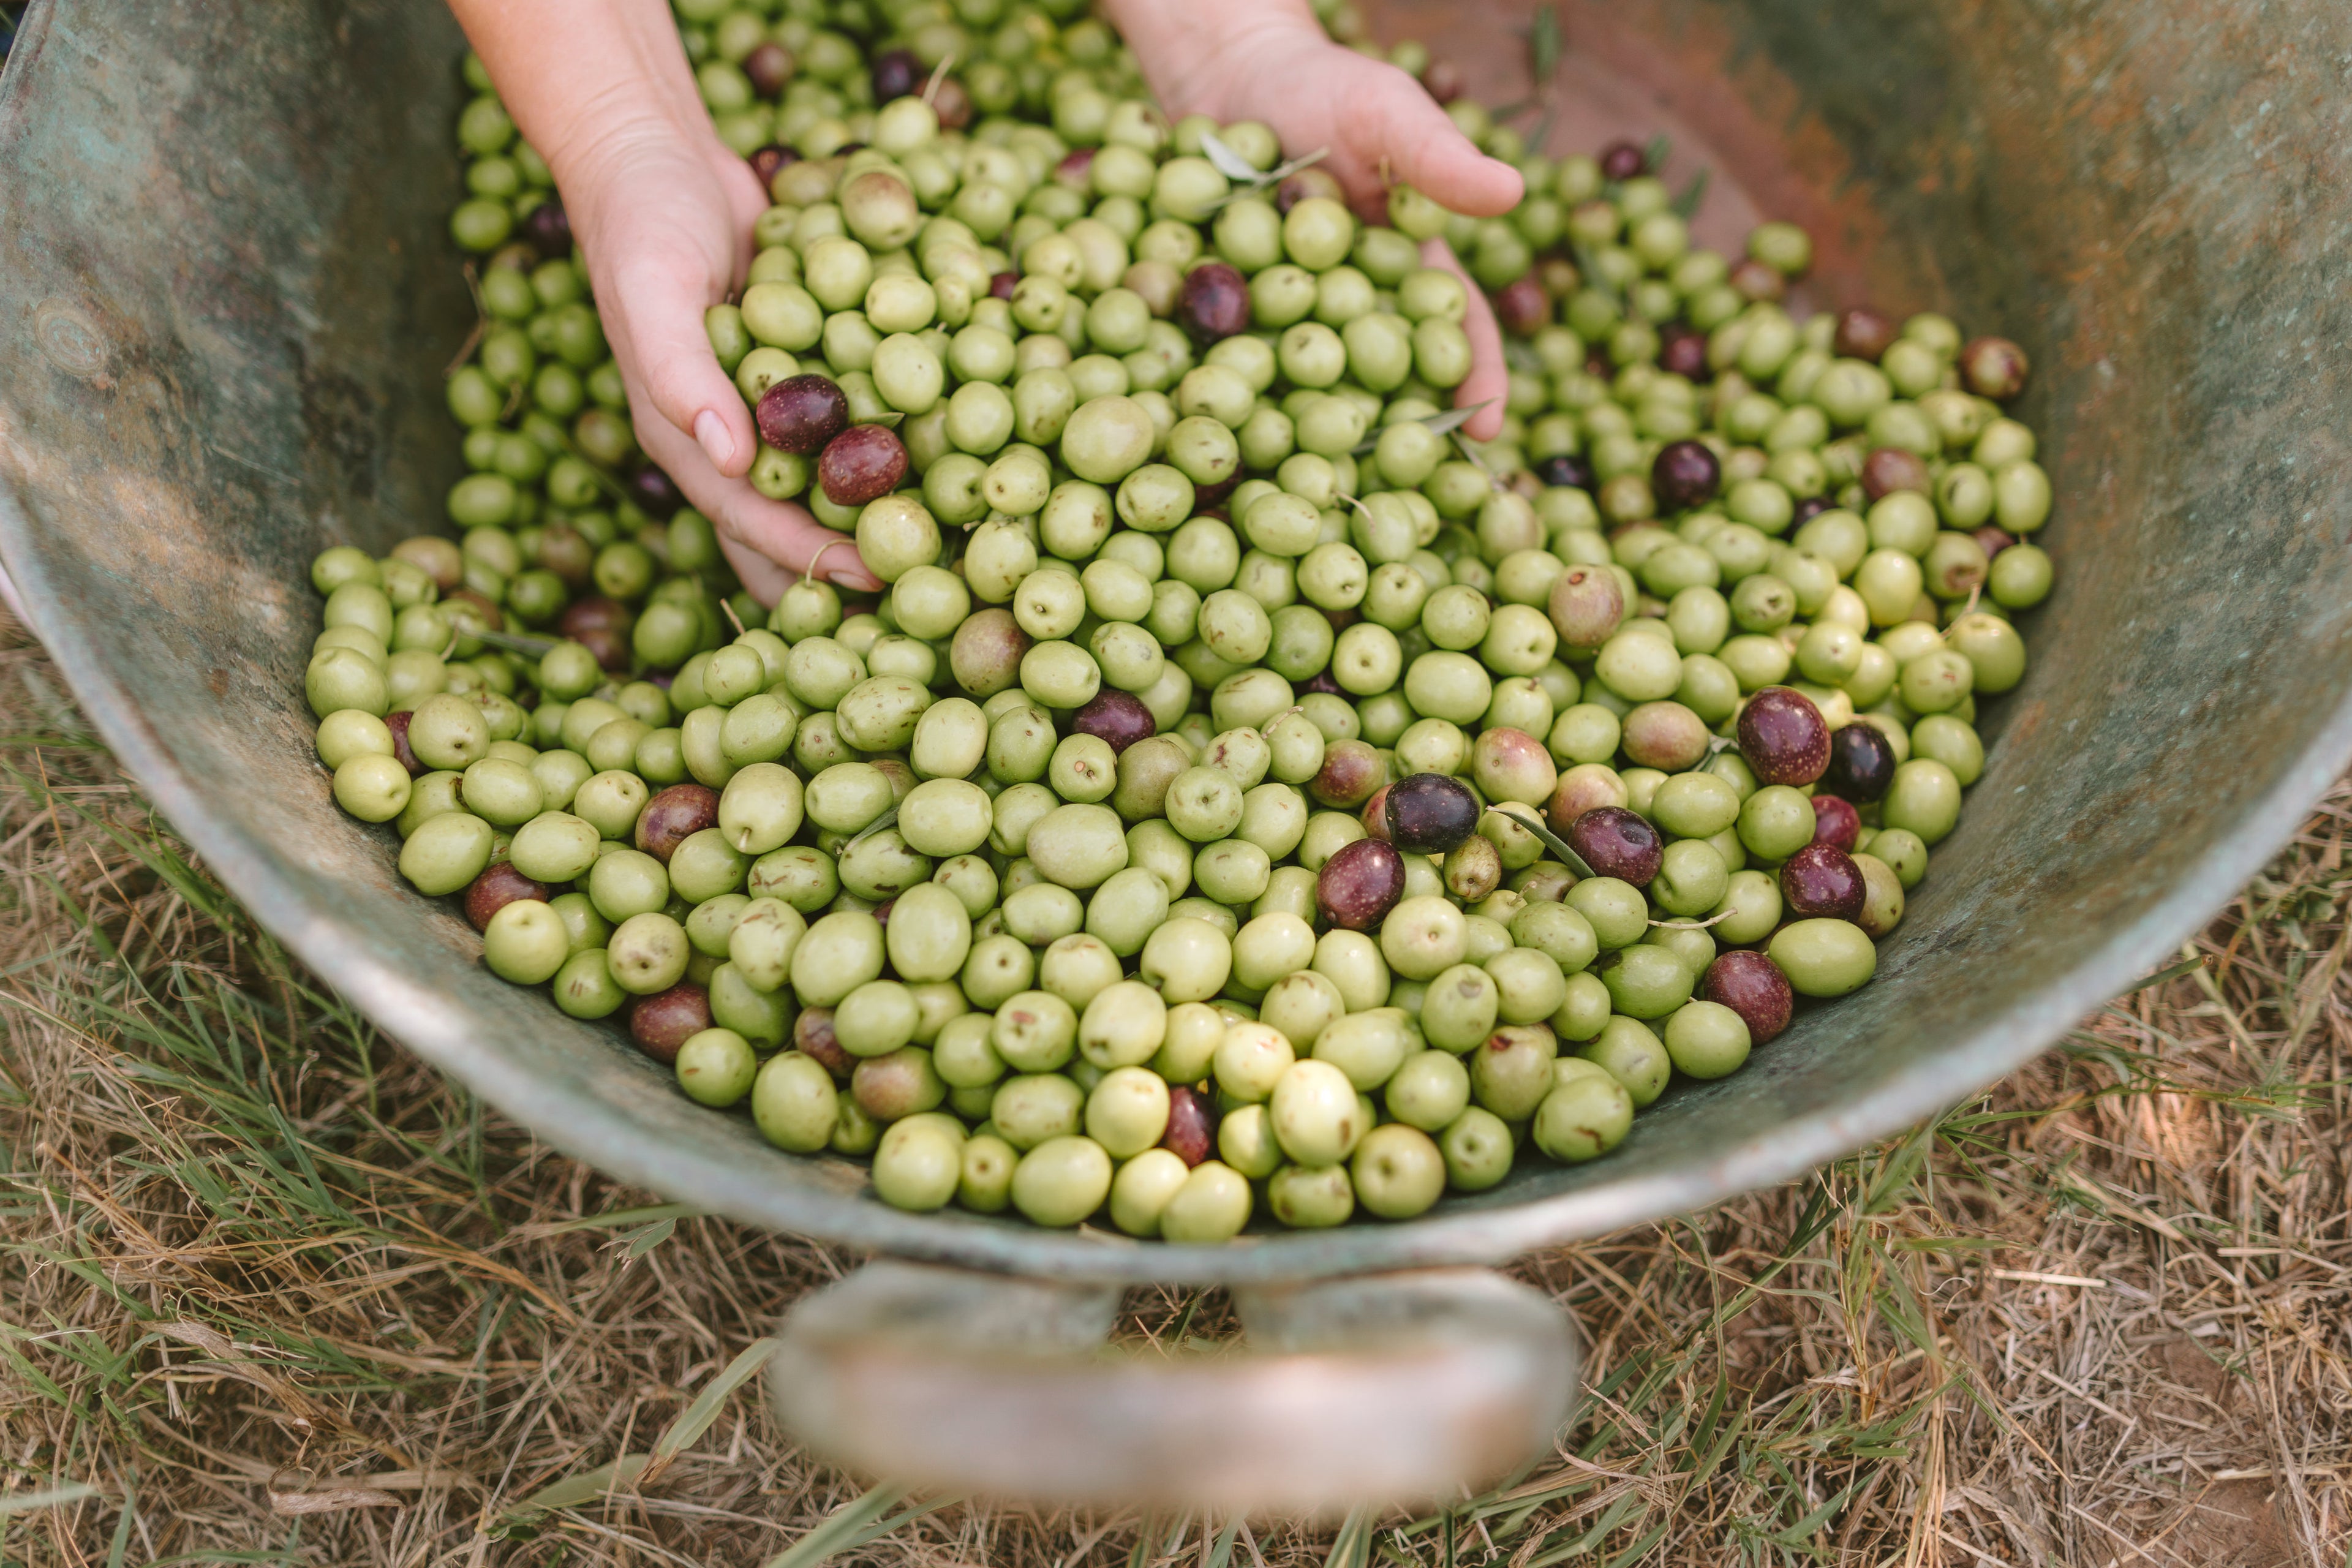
x=1270, y=61
x=663, y=213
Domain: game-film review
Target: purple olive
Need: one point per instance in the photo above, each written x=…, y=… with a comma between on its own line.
x=494, y=890
x=812, y=1036
x=1002, y=284
x=1994, y=368
x=549, y=229
x=1443, y=81
x=1581, y=790
x=1891, y=469
x=601, y=626
x=1994, y=541
x=861, y=464
x=1359, y=885
x=1117, y=718
x=1686, y=475
x=667, y=1019
x=1622, y=161
x=401, y=753
x=1521, y=306
x=801, y=413
x=1587, y=606
x=1305, y=184
x=1861, y=764
x=952, y=104
x=1812, y=506
x=897, y=73
x=1682, y=351
x=1835, y=822
x=1820, y=881
x=1352, y=772
x=673, y=816
x=1431, y=813
x=770, y=161
x=1864, y=333
x=1570, y=472
x=1216, y=303
x=1751, y=986
x=1076, y=170
x=1192, y=1134
x=1374, y=817
x=564, y=551
x=771, y=69
x=1618, y=843
x=1784, y=737
x=655, y=493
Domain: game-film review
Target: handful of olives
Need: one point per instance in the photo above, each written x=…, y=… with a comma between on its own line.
x=1249, y=797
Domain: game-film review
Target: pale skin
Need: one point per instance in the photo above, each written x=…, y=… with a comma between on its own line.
x=663, y=210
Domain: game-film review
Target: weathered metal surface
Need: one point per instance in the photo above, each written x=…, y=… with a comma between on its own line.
x=225, y=301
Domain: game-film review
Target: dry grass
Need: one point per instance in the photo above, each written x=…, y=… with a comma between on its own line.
x=271, y=1292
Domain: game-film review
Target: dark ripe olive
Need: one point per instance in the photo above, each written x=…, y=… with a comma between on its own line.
x=611, y=647
x=1352, y=772
x=861, y=464
x=1622, y=161
x=674, y=815
x=952, y=104
x=772, y=160
x=1835, y=822
x=1359, y=885
x=1994, y=541
x=1076, y=170
x=801, y=412
x=1309, y=181
x=564, y=551
x=593, y=614
x=655, y=493
x=1812, y=506
x=1861, y=763
x=1191, y=1126
x=494, y=890
x=1751, y=986
x=1442, y=81
x=1891, y=469
x=881, y=912
x=1321, y=684
x=1473, y=870
x=1784, y=737
x=1430, y=814
x=770, y=68
x=549, y=229
x=897, y=73
x=1618, y=843
x=1682, y=351
x=812, y=1036
x=1002, y=284
x=1820, y=881
x=1573, y=472
x=437, y=558
x=1863, y=333
x=1209, y=501
x=985, y=657
x=1522, y=307
x=1994, y=368
x=846, y=148
x=1758, y=280
x=1686, y=475
x=1216, y=303
x=1118, y=719
x=667, y=1019
x=1587, y=606
x=398, y=724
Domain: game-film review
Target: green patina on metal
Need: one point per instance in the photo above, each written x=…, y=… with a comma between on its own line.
x=226, y=304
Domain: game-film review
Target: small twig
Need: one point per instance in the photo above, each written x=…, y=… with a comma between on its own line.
x=1695, y=926
x=939, y=75
x=732, y=618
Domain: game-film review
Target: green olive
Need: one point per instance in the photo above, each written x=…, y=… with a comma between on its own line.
x=794, y=1103
x=1062, y=1180
x=1825, y=957
x=1583, y=1119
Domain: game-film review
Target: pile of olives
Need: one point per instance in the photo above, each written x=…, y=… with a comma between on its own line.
x=1247, y=795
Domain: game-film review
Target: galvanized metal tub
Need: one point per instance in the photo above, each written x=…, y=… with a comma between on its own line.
x=227, y=304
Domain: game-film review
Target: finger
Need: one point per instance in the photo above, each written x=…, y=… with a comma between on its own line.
x=762, y=578
x=1388, y=115
x=1489, y=381
x=777, y=531
x=748, y=200
x=658, y=307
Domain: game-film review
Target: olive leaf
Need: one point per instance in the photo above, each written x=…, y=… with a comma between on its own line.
x=1655, y=153
x=1247, y=177
x=1544, y=43
x=1686, y=207
x=1528, y=819
x=887, y=819
x=1230, y=163
x=1443, y=422
x=512, y=642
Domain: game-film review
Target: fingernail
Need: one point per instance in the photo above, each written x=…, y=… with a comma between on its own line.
x=711, y=431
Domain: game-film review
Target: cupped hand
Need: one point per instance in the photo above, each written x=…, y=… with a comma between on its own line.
x=1274, y=63
x=663, y=212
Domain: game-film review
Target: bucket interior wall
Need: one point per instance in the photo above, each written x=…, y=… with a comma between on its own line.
x=227, y=302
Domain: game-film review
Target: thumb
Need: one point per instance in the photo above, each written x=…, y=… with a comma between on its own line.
x=1426, y=151
x=675, y=369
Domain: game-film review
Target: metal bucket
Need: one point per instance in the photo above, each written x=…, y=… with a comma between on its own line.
x=226, y=303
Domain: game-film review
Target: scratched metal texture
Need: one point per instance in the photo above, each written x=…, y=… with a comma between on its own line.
x=226, y=302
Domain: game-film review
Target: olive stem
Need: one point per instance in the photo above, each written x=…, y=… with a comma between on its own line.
x=1551, y=840
x=1695, y=926
x=939, y=75
x=732, y=618
x=513, y=642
